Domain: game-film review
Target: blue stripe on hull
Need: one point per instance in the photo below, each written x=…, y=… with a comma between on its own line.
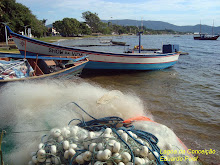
x=124, y=66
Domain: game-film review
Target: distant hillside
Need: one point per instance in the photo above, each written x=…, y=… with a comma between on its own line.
x=49, y=26
x=159, y=25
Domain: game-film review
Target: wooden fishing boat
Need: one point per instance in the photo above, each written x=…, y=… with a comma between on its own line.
x=97, y=60
x=17, y=67
x=205, y=37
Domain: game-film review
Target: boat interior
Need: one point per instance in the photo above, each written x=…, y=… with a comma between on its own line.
x=12, y=67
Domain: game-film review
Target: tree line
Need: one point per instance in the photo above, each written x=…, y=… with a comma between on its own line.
x=92, y=24
x=19, y=16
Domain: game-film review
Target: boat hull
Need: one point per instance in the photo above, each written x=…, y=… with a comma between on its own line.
x=118, y=43
x=97, y=60
x=100, y=60
x=128, y=66
x=206, y=38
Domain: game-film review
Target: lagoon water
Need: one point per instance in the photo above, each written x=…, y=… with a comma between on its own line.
x=185, y=97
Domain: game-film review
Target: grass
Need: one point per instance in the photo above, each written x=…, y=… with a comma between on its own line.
x=2, y=50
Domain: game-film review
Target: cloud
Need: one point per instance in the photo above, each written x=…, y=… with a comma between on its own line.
x=182, y=12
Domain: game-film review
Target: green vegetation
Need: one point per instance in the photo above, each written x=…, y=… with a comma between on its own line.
x=20, y=18
x=71, y=27
x=93, y=21
x=166, y=31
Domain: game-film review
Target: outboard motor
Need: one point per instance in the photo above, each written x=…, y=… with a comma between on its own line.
x=170, y=48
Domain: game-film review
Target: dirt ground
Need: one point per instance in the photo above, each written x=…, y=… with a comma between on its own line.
x=9, y=43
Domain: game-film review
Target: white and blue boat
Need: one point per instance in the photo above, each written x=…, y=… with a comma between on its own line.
x=98, y=60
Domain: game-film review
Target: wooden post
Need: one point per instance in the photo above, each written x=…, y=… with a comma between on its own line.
x=36, y=65
x=6, y=36
x=139, y=33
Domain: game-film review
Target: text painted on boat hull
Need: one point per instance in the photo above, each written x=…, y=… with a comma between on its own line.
x=59, y=51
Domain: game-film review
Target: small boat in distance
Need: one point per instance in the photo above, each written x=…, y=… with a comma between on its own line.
x=16, y=67
x=118, y=43
x=105, y=41
x=99, y=60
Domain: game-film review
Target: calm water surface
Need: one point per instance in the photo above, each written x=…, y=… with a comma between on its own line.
x=185, y=97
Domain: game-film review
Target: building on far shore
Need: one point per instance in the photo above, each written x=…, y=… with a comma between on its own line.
x=54, y=32
x=28, y=33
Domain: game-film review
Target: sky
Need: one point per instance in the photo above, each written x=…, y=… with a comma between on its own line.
x=177, y=12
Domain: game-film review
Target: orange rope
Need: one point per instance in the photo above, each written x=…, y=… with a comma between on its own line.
x=137, y=118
